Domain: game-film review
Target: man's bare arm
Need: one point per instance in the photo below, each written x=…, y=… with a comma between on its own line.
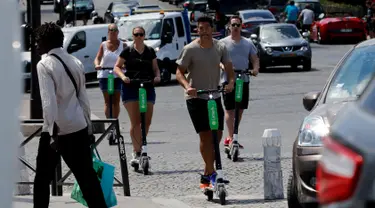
x=255, y=61
x=180, y=77
x=228, y=68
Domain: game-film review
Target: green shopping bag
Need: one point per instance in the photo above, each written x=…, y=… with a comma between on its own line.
x=106, y=173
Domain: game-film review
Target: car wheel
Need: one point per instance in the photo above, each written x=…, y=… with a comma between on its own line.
x=320, y=40
x=307, y=65
x=292, y=196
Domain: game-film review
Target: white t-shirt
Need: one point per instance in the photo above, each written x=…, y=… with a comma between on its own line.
x=308, y=16
x=109, y=59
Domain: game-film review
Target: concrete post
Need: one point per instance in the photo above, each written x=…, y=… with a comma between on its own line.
x=10, y=91
x=24, y=175
x=273, y=176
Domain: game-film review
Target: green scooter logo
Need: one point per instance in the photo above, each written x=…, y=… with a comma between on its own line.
x=212, y=114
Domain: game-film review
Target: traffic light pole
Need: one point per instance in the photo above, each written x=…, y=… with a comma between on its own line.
x=36, y=111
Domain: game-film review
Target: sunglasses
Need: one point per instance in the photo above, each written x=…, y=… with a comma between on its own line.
x=113, y=30
x=236, y=25
x=138, y=34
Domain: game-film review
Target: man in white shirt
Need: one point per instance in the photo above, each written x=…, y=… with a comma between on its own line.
x=308, y=18
x=66, y=114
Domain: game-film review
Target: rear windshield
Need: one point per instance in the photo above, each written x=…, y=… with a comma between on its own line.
x=257, y=15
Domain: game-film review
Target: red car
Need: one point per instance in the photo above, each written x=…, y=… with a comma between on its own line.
x=338, y=25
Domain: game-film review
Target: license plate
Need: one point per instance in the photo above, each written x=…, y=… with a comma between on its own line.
x=288, y=55
x=346, y=30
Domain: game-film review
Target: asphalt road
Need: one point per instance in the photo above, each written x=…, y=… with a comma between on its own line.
x=276, y=102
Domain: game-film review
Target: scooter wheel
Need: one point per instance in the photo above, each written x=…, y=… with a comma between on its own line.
x=222, y=196
x=145, y=167
x=235, y=154
x=136, y=167
x=210, y=195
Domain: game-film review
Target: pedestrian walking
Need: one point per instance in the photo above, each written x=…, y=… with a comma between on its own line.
x=201, y=59
x=106, y=57
x=66, y=115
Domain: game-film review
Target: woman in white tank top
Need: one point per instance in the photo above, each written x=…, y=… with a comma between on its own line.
x=108, y=53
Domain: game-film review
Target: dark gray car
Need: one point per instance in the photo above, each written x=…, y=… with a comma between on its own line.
x=345, y=171
x=348, y=80
x=252, y=18
x=281, y=45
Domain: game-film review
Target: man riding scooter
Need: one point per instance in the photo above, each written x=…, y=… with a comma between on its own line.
x=307, y=15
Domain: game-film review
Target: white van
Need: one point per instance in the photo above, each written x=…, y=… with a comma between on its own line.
x=82, y=42
x=167, y=31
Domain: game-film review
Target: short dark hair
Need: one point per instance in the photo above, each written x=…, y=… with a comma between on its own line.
x=51, y=34
x=205, y=19
x=235, y=17
x=291, y=2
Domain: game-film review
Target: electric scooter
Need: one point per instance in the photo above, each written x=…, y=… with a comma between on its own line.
x=233, y=149
x=144, y=159
x=219, y=188
x=112, y=137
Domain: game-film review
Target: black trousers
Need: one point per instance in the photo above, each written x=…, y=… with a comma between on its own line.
x=75, y=150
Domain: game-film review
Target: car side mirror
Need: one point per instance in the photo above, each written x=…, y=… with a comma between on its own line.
x=167, y=38
x=76, y=46
x=309, y=100
x=305, y=34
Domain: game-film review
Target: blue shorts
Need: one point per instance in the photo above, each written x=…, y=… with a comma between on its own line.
x=103, y=84
x=130, y=94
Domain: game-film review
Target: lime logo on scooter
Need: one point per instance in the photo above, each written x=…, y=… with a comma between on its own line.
x=111, y=84
x=142, y=100
x=239, y=89
x=212, y=115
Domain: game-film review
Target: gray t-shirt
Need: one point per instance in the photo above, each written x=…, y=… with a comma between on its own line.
x=308, y=16
x=239, y=53
x=203, y=65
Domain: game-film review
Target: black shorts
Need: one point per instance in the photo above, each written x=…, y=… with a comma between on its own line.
x=199, y=114
x=229, y=100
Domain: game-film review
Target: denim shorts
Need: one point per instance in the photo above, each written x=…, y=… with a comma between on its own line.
x=103, y=84
x=130, y=94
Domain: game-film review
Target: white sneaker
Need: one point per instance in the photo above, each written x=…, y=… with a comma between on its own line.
x=135, y=158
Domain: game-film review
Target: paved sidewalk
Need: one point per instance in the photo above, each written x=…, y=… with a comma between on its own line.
x=136, y=202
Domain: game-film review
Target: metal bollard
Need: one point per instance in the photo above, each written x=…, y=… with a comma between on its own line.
x=22, y=189
x=273, y=176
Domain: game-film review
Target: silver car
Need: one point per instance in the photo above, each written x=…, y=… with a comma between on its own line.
x=282, y=45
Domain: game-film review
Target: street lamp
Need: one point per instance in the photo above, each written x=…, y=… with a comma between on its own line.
x=36, y=111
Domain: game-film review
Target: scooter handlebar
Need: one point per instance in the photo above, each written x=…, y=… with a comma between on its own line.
x=141, y=81
x=247, y=71
x=209, y=91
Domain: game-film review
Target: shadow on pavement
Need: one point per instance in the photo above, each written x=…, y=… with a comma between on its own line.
x=247, y=201
x=168, y=172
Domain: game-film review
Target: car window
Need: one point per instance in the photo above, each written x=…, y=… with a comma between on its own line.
x=276, y=33
x=352, y=76
x=315, y=6
x=200, y=7
x=180, y=27
x=168, y=26
x=78, y=41
x=151, y=26
x=257, y=15
x=120, y=8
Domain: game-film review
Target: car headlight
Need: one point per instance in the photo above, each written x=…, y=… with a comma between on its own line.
x=304, y=48
x=269, y=50
x=312, y=131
